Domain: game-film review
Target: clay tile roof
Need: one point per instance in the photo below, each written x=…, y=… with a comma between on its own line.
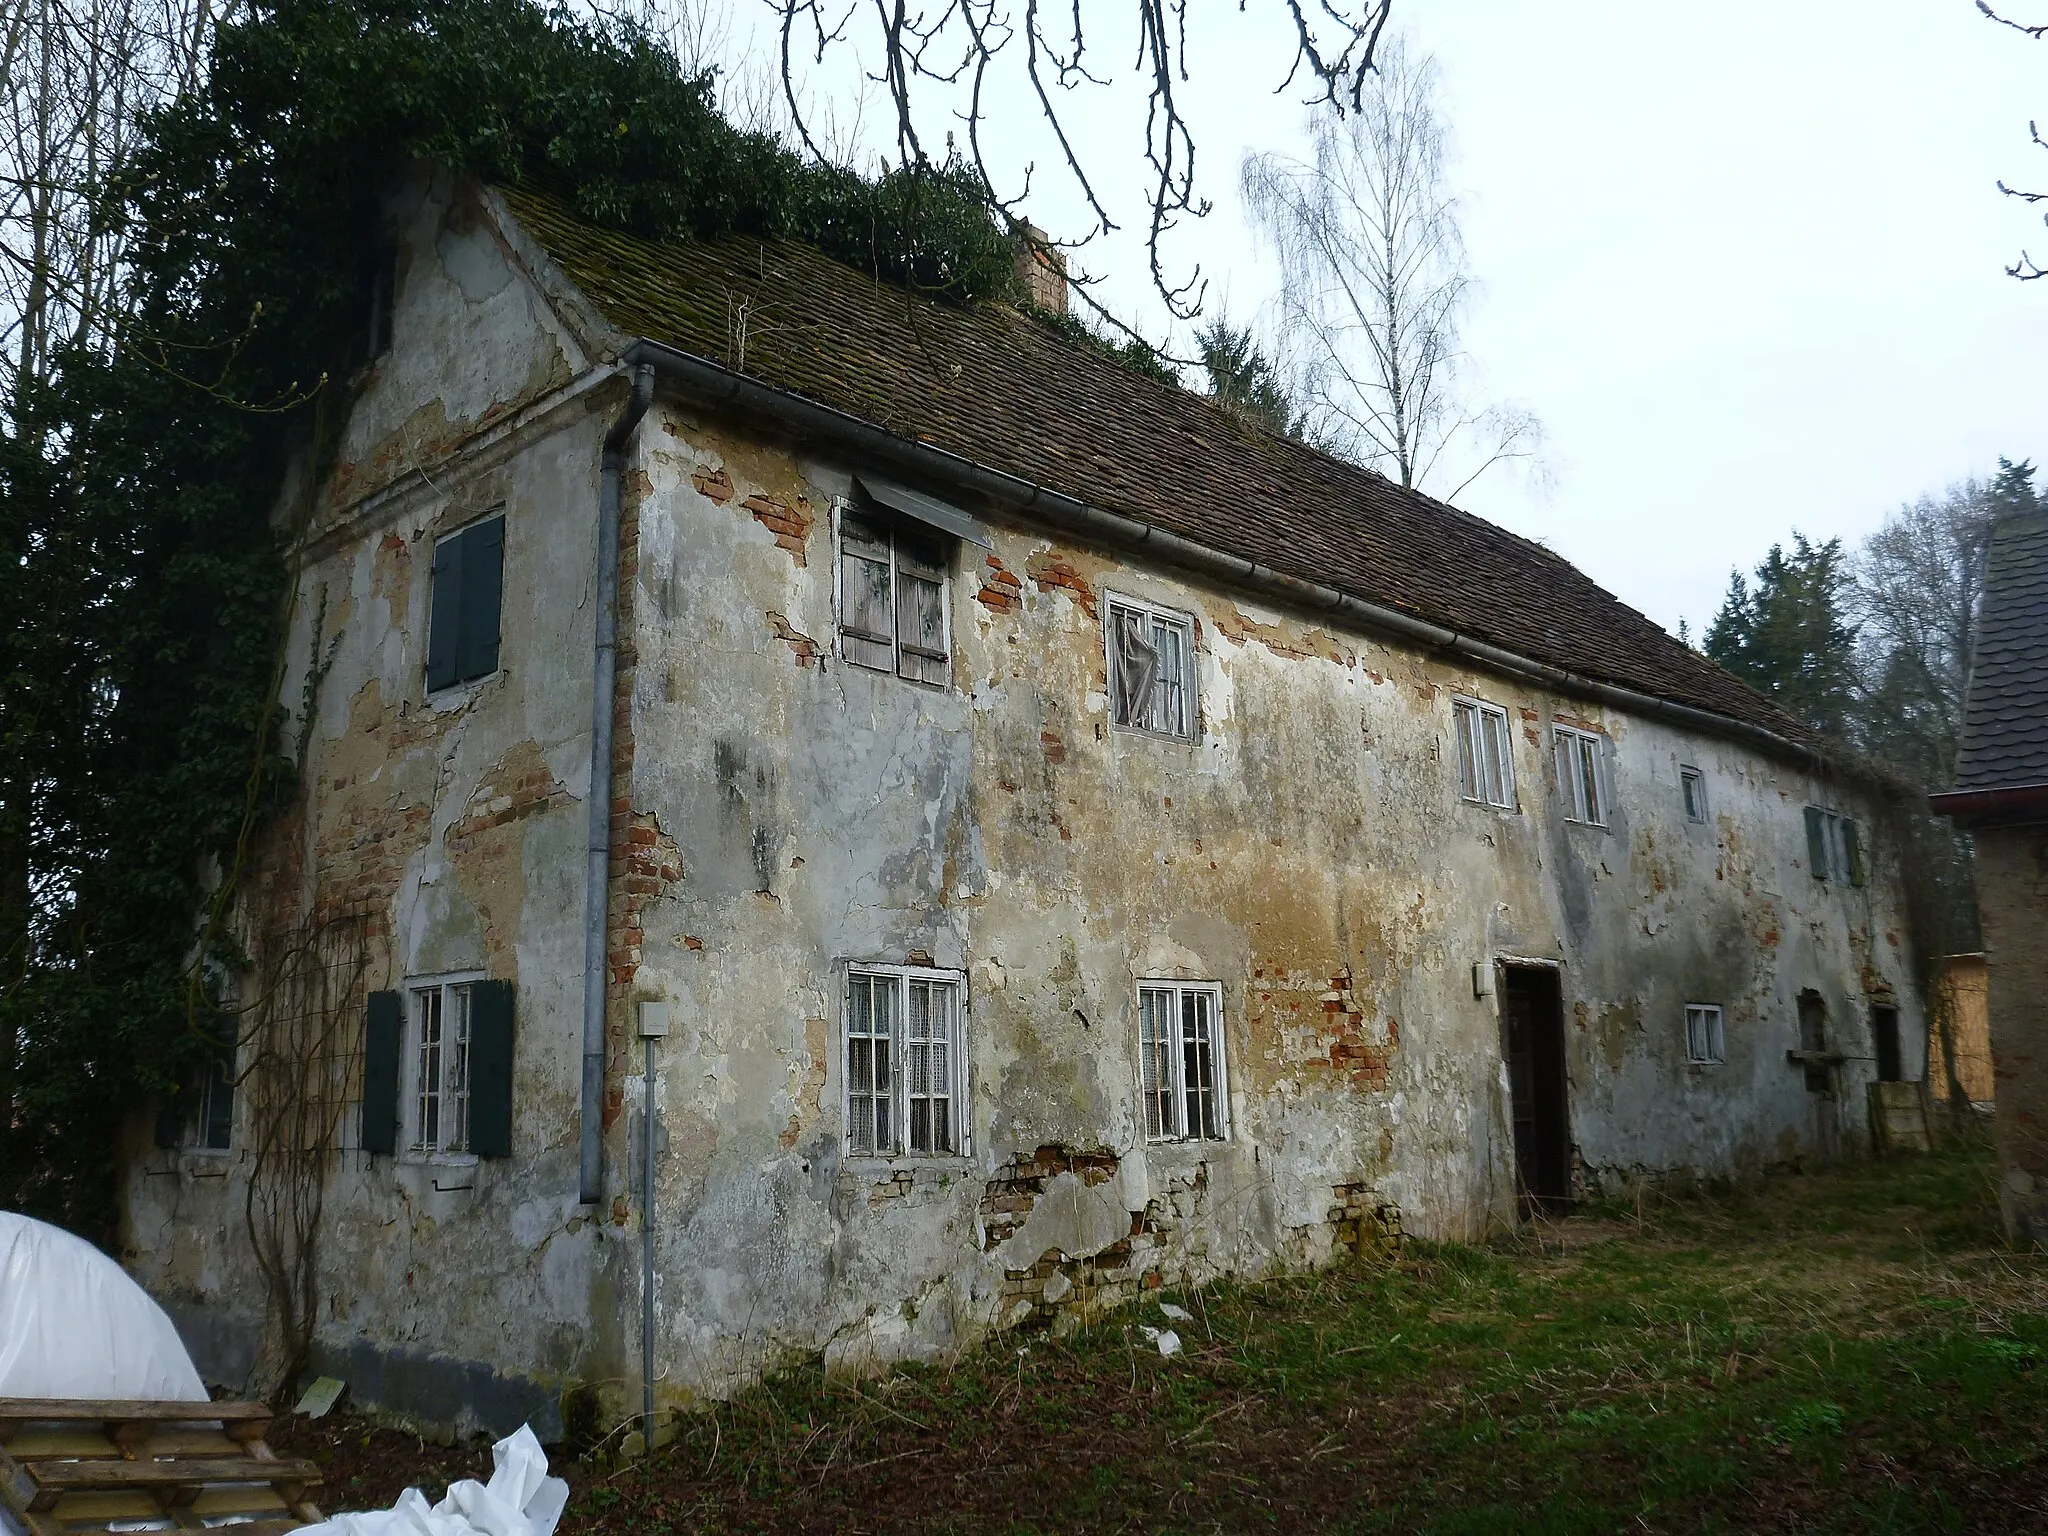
x=2005, y=724
x=991, y=384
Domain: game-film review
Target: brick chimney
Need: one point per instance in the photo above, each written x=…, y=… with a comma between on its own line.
x=1041, y=270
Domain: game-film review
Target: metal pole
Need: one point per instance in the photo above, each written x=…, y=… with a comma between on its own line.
x=647, y=1259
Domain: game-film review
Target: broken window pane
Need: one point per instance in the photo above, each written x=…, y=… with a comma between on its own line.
x=1151, y=671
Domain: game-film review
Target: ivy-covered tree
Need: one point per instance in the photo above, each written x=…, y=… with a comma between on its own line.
x=143, y=576
x=1789, y=637
x=1242, y=380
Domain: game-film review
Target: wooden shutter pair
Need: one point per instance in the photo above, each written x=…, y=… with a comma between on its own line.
x=1818, y=860
x=468, y=601
x=490, y=1069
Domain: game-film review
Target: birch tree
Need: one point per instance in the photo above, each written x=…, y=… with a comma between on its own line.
x=1374, y=283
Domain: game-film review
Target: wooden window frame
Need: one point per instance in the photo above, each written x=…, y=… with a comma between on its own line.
x=1189, y=728
x=413, y=1141
x=1583, y=788
x=1466, y=739
x=1692, y=794
x=941, y=576
x=1162, y=1091
x=1838, y=839
x=901, y=1096
x=1708, y=1047
x=460, y=678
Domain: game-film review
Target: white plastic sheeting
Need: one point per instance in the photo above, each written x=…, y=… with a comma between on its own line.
x=519, y=1500
x=72, y=1324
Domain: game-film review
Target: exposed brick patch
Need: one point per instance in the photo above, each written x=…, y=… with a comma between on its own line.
x=1322, y=1026
x=1352, y=1051
x=645, y=863
x=790, y=522
x=1010, y=1195
x=714, y=483
x=805, y=647
x=1365, y=1223
x=1059, y=1290
x=1000, y=591
x=500, y=801
x=1054, y=748
x=1056, y=573
x=1236, y=626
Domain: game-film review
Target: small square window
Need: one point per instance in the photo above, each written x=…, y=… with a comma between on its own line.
x=1151, y=668
x=468, y=596
x=1704, y=1042
x=906, y=1071
x=1692, y=788
x=1180, y=1061
x=1581, y=781
x=440, y=1064
x=892, y=595
x=1486, y=767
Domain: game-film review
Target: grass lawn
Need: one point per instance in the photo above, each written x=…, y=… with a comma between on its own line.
x=1851, y=1350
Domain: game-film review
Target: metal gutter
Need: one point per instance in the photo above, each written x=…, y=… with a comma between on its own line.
x=2008, y=800
x=597, y=880
x=719, y=385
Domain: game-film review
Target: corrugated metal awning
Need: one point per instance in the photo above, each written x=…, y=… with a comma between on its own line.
x=927, y=509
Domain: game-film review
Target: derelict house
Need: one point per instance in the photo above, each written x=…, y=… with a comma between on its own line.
x=1072, y=841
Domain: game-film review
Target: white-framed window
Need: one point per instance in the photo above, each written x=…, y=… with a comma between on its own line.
x=1151, y=654
x=1181, y=1074
x=904, y=1061
x=1704, y=1042
x=1834, y=846
x=1692, y=790
x=892, y=595
x=1486, y=757
x=213, y=1120
x=437, y=1063
x=1581, y=775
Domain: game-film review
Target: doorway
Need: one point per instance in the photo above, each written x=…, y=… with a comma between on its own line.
x=1884, y=1034
x=1532, y=1030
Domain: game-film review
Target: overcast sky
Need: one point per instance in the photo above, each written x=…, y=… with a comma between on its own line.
x=1745, y=261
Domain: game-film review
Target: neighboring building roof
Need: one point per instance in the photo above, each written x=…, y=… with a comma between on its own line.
x=2005, y=723
x=996, y=387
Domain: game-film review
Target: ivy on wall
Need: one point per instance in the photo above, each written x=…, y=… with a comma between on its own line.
x=140, y=534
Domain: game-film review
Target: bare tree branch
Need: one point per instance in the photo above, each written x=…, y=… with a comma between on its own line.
x=1374, y=283
x=920, y=51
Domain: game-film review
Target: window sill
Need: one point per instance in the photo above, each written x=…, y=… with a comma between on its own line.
x=909, y=1162
x=456, y=696
x=1488, y=805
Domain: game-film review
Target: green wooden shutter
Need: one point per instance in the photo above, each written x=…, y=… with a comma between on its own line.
x=490, y=1069
x=444, y=624
x=383, y=1035
x=1852, y=845
x=1816, y=842
x=483, y=576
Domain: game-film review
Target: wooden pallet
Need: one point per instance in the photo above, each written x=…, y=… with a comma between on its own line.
x=79, y=1467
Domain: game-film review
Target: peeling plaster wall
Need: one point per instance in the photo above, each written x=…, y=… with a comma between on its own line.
x=460, y=1289
x=778, y=813
x=1310, y=853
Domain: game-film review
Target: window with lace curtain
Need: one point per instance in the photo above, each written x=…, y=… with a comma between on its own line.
x=906, y=1071
x=1151, y=668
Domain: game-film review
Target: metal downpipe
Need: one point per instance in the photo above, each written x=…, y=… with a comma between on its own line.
x=597, y=887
